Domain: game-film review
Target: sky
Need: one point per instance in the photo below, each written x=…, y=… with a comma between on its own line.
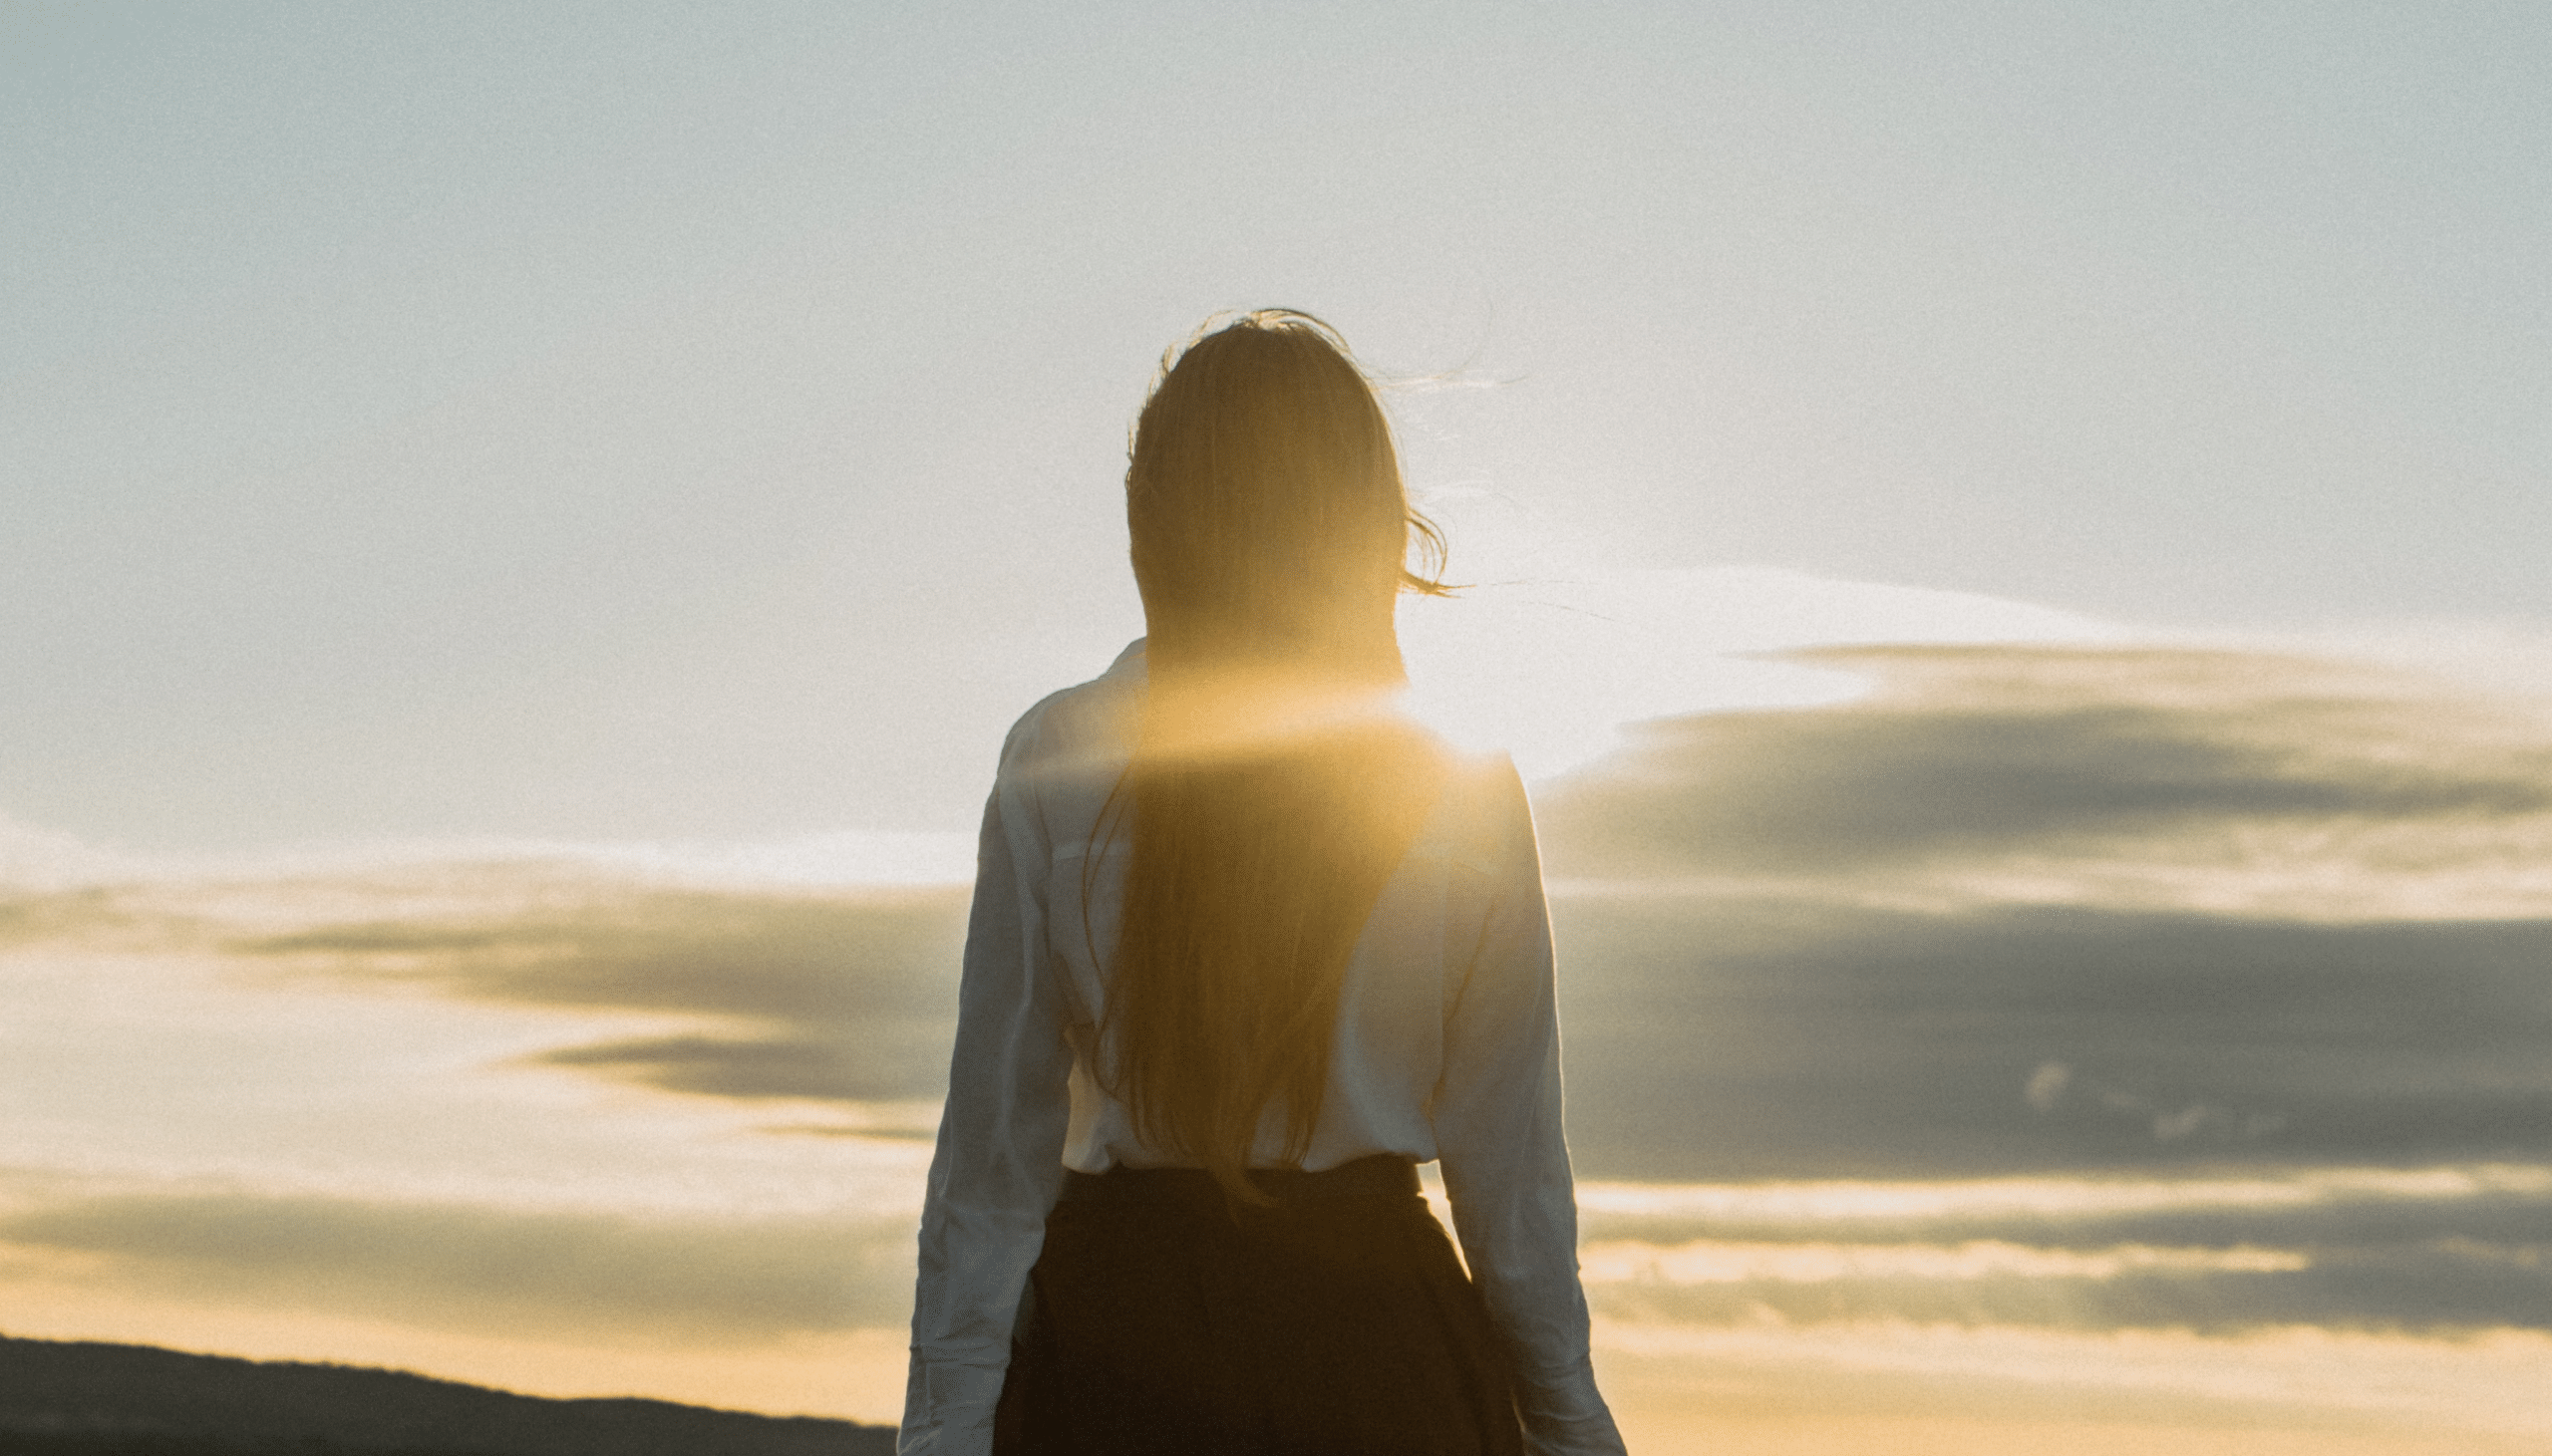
x=643, y=421
x=2005, y=537
x=2111, y=1047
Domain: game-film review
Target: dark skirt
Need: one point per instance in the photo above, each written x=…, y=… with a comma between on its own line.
x=1164, y=1318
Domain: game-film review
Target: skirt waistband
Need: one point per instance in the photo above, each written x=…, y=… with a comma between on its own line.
x=1384, y=1175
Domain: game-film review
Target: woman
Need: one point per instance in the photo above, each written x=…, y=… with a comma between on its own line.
x=1246, y=947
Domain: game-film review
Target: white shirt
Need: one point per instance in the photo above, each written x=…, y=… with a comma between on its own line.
x=1448, y=1048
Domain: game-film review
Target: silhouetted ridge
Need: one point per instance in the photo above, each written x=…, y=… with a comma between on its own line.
x=59, y=1398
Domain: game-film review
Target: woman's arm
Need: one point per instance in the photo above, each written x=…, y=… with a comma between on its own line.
x=1497, y=1127
x=1001, y=1137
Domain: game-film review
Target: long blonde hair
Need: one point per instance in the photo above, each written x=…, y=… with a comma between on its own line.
x=1271, y=794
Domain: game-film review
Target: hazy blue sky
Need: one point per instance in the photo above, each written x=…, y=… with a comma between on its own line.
x=655, y=420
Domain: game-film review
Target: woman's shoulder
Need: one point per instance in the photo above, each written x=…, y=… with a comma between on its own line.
x=1084, y=727
x=1482, y=817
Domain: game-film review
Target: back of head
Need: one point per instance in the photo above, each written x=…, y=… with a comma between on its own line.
x=1265, y=505
x=1271, y=795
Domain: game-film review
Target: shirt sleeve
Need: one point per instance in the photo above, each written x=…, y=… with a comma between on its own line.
x=1506, y=1162
x=999, y=1162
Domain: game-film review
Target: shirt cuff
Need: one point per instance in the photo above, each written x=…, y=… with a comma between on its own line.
x=1565, y=1415
x=956, y=1411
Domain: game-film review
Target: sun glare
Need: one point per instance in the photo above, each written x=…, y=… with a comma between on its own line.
x=1550, y=670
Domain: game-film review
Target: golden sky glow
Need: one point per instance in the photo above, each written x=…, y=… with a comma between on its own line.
x=611, y=1117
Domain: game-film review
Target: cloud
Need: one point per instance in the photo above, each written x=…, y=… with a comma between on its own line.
x=2040, y=907
x=2315, y=1208
x=469, y=1267
x=2097, y=920
x=787, y=958
x=2154, y=777
x=2046, y=1086
x=833, y=996
x=56, y=917
x=2432, y=1289
x=790, y=990
x=1712, y=1038
x=865, y=1064
x=2023, y=908
x=2437, y=1251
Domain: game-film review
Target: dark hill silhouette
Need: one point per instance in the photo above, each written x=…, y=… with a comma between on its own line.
x=79, y=1398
